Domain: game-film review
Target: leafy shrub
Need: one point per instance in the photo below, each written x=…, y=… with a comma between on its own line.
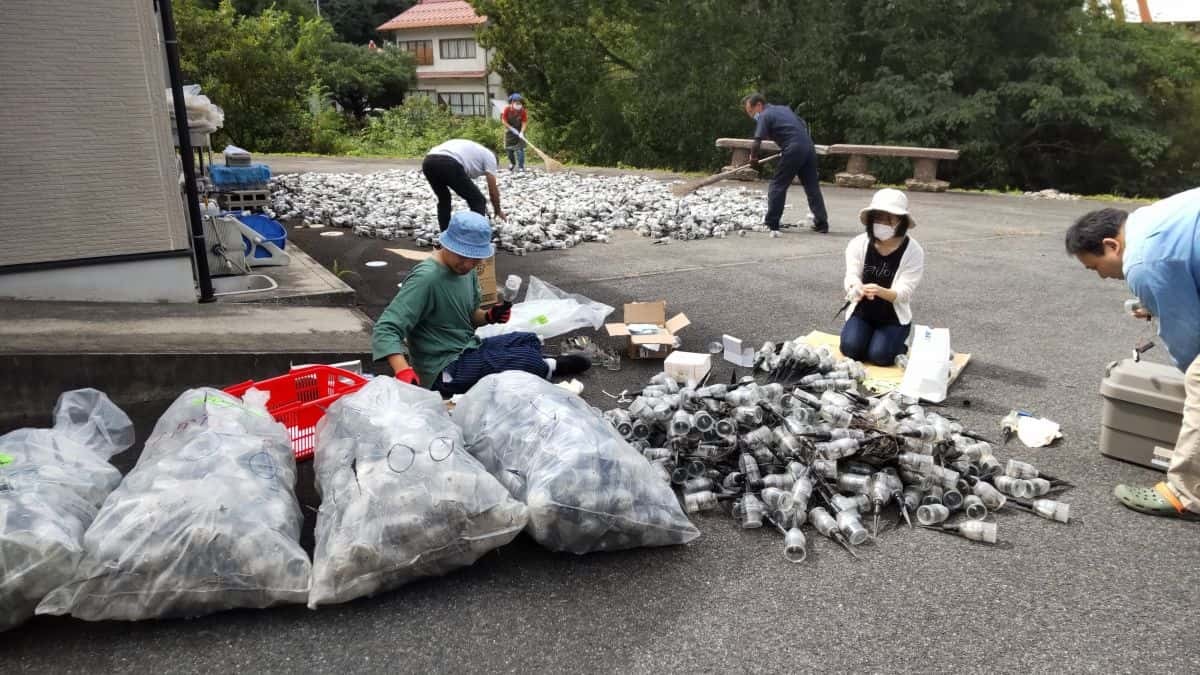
x=411, y=129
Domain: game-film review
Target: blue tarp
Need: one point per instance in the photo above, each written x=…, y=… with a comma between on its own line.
x=239, y=177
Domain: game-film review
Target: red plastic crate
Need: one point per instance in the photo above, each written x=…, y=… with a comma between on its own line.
x=299, y=399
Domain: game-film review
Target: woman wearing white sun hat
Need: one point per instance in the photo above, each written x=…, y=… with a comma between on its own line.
x=883, y=267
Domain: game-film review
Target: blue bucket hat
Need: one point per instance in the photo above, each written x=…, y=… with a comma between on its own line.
x=469, y=235
x=514, y=97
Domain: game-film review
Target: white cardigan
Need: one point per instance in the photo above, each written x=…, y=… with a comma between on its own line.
x=912, y=266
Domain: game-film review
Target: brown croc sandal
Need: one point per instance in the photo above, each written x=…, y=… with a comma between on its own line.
x=1156, y=501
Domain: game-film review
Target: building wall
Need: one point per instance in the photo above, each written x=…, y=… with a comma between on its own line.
x=493, y=86
x=448, y=33
x=87, y=165
x=161, y=280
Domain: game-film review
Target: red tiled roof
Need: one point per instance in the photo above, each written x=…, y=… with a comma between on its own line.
x=433, y=13
x=451, y=74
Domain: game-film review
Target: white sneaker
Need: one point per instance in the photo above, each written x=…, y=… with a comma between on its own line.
x=774, y=234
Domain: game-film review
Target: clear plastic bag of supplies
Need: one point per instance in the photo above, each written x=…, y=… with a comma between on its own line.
x=52, y=482
x=206, y=521
x=401, y=498
x=586, y=488
x=549, y=311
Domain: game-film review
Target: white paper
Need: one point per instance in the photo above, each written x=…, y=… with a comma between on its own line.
x=574, y=386
x=1037, y=432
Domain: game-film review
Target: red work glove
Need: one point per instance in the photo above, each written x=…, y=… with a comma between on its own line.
x=408, y=375
x=499, y=313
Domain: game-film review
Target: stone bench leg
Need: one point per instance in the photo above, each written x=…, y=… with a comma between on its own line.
x=925, y=177
x=856, y=173
x=741, y=157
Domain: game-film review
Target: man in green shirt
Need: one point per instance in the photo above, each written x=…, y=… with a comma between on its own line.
x=427, y=333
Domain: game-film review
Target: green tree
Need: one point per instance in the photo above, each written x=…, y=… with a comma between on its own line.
x=359, y=78
x=305, y=8
x=257, y=68
x=1035, y=93
x=356, y=21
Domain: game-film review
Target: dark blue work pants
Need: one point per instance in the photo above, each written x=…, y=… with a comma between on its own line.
x=797, y=160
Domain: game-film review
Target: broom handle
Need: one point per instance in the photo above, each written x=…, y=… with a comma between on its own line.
x=725, y=174
x=535, y=148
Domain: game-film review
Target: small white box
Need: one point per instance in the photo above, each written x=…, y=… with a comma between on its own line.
x=687, y=366
x=736, y=353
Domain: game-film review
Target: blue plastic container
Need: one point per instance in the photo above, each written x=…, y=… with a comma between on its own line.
x=270, y=230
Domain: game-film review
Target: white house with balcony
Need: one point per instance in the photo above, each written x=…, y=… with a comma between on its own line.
x=452, y=68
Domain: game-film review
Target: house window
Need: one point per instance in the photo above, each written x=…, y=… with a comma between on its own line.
x=465, y=104
x=422, y=93
x=422, y=50
x=457, y=49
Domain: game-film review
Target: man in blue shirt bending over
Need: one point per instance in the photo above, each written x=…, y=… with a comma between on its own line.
x=1156, y=250
x=797, y=157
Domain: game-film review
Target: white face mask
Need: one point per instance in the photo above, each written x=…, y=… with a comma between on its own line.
x=516, y=106
x=883, y=232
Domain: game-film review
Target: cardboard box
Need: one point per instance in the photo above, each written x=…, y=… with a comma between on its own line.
x=1143, y=410
x=687, y=366
x=486, y=271
x=648, y=346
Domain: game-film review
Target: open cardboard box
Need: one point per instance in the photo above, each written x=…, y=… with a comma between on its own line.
x=656, y=346
x=486, y=272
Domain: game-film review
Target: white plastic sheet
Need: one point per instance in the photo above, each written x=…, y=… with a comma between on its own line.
x=586, y=488
x=206, y=521
x=401, y=498
x=203, y=115
x=52, y=482
x=549, y=312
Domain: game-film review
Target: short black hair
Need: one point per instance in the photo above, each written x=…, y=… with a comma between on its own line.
x=1088, y=233
x=753, y=99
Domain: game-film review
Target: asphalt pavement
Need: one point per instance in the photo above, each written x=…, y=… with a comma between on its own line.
x=1111, y=592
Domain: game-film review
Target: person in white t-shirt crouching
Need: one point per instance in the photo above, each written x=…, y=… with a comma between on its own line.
x=883, y=267
x=454, y=165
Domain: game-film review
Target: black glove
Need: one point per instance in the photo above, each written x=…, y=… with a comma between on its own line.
x=499, y=313
x=754, y=163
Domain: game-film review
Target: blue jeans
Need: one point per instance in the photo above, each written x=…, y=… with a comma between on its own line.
x=796, y=161
x=516, y=156
x=878, y=344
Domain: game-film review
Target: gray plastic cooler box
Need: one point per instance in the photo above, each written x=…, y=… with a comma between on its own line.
x=1143, y=410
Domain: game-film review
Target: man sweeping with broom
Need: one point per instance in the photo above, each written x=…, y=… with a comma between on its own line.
x=797, y=156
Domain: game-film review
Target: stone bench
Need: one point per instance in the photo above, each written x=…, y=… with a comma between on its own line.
x=857, y=173
x=925, y=161
x=741, y=155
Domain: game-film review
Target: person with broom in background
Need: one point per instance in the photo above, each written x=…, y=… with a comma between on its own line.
x=797, y=157
x=515, y=119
